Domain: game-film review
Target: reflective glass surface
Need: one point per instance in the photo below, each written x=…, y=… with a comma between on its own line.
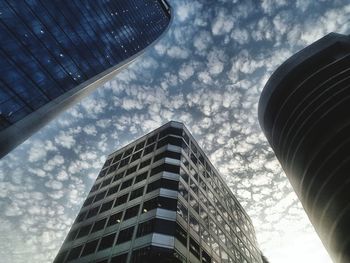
x=49, y=47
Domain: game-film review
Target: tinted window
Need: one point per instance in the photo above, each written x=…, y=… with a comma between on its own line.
x=181, y=235
x=145, y=163
x=136, y=193
x=141, y=177
x=131, y=212
x=90, y=248
x=115, y=219
x=121, y=200
x=84, y=231
x=106, y=206
x=74, y=253
x=165, y=168
x=125, y=235
x=99, y=225
x=106, y=241
x=126, y=184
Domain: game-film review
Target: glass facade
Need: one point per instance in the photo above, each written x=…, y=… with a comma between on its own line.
x=167, y=205
x=50, y=47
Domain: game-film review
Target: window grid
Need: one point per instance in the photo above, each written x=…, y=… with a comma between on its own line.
x=228, y=241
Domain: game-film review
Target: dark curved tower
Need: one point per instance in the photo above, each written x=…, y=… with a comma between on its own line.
x=53, y=53
x=304, y=111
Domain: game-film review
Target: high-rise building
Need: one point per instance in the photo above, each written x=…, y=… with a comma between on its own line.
x=304, y=111
x=159, y=199
x=52, y=53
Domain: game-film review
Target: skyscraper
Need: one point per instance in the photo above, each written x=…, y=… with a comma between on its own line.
x=52, y=53
x=159, y=199
x=304, y=111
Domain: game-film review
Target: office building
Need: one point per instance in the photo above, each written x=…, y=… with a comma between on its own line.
x=53, y=53
x=159, y=199
x=304, y=111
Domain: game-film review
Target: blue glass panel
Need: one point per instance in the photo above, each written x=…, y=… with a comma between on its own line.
x=50, y=47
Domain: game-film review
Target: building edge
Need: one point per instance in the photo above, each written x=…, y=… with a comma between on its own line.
x=20, y=131
x=289, y=65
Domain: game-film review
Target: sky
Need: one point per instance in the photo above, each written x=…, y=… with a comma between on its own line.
x=207, y=72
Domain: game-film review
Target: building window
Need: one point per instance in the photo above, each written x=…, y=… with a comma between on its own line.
x=167, y=154
x=84, y=231
x=118, y=176
x=95, y=188
x=136, y=193
x=72, y=234
x=165, y=227
x=120, y=258
x=89, y=248
x=169, y=140
x=92, y=212
x=193, y=222
x=136, y=156
x=205, y=236
x=125, y=235
x=165, y=168
x=128, y=152
x=106, y=241
x=205, y=257
x=117, y=157
x=106, y=206
x=99, y=225
x=139, y=146
x=184, y=176
x=148, y=149
x=126, y=184
x=121, y=200
x=124, y=162
x=145, y=163
x=194, y=186
x=100, y=196
x=145, y=228
x=224, y=256
x=194, y=203
x=182, y=211
x=131, y=212
x=162, y=183
x=74, y=253
x=106, y=182
x=88, y=201
x=111, y=169
x=159, y=202
x=141, y=177
x=181, y=235
x=113, y=190
x=131, y=170
x=151, y=139
x=170, y=130
x=194, y=247
x=153, y=186
x=183, y=191
x=115, y=219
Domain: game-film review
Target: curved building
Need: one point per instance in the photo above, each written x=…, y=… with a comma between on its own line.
x=52, y=53
x=159, y=199
x=304, y=111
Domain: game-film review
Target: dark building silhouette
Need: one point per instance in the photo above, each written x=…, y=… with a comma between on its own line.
x=159, y=199
x=52, y=53
x=304, y=111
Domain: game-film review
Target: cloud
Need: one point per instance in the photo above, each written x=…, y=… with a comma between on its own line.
x=65, y=140
x=177, y=52
x=223, y=23
x=208, y=72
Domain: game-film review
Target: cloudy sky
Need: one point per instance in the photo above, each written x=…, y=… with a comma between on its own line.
x=207, y=72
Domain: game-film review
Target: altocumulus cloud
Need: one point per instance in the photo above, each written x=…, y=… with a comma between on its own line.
x=208, y=72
